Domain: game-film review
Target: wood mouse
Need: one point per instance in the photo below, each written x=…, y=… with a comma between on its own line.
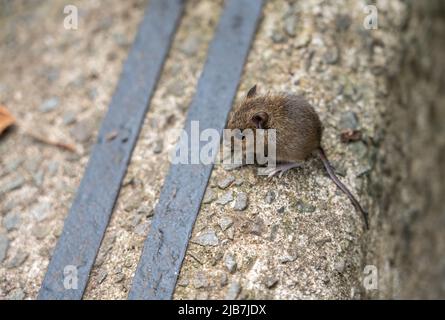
x=298, y=132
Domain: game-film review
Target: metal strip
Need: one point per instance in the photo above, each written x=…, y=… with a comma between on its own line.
x=90, y=212
x=181, y=196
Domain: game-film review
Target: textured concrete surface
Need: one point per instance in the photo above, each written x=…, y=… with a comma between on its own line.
x=409, y=240
x=58, y=84
x=289, y=238
x=308, y=242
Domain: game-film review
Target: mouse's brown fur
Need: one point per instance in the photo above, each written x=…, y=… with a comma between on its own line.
x=298, y=129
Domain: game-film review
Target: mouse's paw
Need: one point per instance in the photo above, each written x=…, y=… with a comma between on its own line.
x=280, y=169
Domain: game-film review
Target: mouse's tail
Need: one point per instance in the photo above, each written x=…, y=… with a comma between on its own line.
x=339, y=184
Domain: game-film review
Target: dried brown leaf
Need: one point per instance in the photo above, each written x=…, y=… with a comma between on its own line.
x=6, y=119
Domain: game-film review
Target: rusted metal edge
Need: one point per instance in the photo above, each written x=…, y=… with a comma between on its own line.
x=184, y=187
x=84, y=228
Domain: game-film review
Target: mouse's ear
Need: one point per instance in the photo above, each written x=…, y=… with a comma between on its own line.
x=260, y=120
x=252, y=92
